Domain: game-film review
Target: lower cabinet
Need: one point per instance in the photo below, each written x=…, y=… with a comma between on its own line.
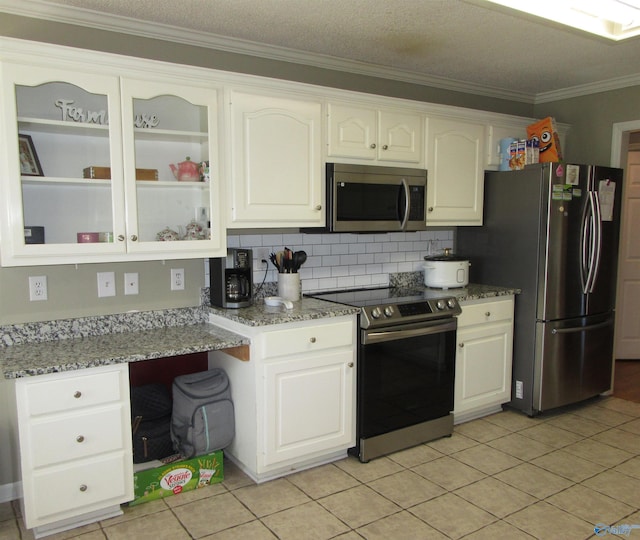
x=295, y=398
x=74, y=433
x=483, y=358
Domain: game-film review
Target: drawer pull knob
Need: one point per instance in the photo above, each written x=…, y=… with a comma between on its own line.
x=350, y=364
x=488, y=314
x=83, y=487
x=80, y=438
x=461, y=345
x=312, y=340
x=372, y=145
x=78, y=394
x=385, y=147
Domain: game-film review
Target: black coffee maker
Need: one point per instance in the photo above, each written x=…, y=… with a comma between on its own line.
x=231, y=278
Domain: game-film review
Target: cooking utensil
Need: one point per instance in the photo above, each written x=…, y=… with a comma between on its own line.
x=299, y=258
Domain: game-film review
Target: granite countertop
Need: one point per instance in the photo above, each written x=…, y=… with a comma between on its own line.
x=307, y=309
x=93, y=351
x=475, y=291
x=54, y=346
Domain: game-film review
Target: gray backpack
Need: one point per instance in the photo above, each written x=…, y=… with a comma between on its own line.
x=202, y=420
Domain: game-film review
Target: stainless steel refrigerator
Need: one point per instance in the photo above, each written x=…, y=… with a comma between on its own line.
x=552, y=230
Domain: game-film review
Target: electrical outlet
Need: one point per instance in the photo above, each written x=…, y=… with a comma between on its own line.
x=177, y=279
x=261, y=253
x=37, y=288
x=131, y=283
x=106, y=284
x=519, y=389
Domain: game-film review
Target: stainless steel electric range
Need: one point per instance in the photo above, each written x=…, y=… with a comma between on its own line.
x=406, y=366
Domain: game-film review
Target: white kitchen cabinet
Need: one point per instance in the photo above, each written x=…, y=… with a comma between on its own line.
x=275, y=150
x=90, y=131
x=74, y=433
x=516, y=129
x=455, y=161
x=371, y=135
x=294, y=399
x=483, y=358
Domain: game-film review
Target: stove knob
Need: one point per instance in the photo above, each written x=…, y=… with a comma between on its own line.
x=441, y=304
x=375, y=313
x=388, y=311
x=451, y=303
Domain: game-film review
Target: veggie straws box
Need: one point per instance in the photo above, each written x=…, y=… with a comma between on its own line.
x=174, y=478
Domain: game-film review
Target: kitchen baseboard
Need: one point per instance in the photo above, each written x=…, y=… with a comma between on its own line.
x=10, y=492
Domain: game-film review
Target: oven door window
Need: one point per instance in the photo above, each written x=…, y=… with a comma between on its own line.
x=405, y=382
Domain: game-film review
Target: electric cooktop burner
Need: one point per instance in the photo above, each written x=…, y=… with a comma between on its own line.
x=386, y=306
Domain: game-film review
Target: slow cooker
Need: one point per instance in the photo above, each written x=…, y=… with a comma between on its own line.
x=446, y=271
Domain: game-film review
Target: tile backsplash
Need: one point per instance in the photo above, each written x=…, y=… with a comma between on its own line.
x=341, y=261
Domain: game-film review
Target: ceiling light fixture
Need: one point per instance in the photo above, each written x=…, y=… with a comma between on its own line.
x=613, y=19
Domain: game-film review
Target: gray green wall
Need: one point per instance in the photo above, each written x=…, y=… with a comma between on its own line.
x=592, y=118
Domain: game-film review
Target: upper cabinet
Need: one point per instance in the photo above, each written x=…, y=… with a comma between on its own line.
x=86, y=168
x=366, y=135
x=455, y=164
x=275, y=146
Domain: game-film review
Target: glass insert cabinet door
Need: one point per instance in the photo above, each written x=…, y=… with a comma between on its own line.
x=60, y=127
x=171, y=167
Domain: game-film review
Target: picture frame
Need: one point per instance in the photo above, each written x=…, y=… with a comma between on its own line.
x=29, y=162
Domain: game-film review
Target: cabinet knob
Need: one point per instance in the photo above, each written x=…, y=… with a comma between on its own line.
x=461, y=345
x=430, y=209
x=385, y=147
x=312, y=340
x=318, y=207
x=487, y=314
x=80, y=438
x=373, y=145
x=78, y=394
x=350, y=364
x=134, y=238
x=83, y=487
x=121, y=238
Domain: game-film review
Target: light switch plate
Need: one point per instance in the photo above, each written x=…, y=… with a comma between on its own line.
x=106, y=284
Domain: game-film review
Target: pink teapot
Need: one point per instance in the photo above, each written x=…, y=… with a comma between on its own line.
x=186, y=171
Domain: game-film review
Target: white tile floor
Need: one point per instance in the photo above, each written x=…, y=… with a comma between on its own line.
x=503, y=476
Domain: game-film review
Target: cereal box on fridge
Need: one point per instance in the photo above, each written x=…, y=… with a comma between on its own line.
x=545, y=132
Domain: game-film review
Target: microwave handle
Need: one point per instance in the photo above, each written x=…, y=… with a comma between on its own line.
x=407, y=203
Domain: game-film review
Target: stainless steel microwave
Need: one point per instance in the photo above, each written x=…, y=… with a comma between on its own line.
x=368, y=198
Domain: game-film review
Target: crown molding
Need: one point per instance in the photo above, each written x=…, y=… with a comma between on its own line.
x=590, y=88
x=42, y=9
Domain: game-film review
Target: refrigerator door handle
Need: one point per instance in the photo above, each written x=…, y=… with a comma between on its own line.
x=597, y=242
x=590, y=243
x=575, y=329
x=584, y=240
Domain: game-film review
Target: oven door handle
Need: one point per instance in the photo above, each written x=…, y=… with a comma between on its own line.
x=424, y=329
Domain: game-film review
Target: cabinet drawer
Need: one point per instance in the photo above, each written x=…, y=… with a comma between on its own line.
x=70, y=437
x=313, y=338
x=73, y=392
x=76, y=488
x=485, y=312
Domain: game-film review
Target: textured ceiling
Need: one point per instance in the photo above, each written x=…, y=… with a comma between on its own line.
x=466, y=41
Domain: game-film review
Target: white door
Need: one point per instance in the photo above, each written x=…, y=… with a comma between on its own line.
x=627, y=345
